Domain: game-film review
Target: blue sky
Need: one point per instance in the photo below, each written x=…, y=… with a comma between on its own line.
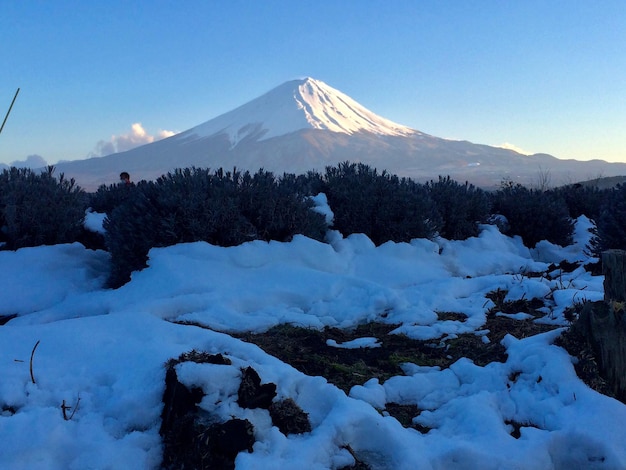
x=544, y=76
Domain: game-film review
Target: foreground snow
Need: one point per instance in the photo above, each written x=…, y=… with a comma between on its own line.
x=105, y=351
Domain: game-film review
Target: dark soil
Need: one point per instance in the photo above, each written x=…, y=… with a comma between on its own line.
x=405, y=415
x=306, y=349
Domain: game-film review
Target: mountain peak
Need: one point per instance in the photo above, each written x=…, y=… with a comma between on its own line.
x=296, y=105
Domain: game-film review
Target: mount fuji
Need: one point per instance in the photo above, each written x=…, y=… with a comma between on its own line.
x=305, y=125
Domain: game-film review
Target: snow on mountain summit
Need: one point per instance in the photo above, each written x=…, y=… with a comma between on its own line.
x=296, y=105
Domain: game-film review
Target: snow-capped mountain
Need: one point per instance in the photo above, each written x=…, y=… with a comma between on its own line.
x=298, y=105
x=305, y=125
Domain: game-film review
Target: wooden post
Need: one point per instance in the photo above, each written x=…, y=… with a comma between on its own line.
x=603, y=324
x=605, y=332
x=614, y=270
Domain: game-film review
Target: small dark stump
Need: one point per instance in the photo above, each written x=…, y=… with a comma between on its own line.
x=614, y=270
x=604, y=329
x=178, y=401
x=602, y=325
x=252, y=394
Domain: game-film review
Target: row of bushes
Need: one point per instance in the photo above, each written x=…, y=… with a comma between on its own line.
x=229, y=208
x=222, y=208
x=39, y=209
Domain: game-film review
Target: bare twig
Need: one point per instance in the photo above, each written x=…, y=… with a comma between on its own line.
x=75, y=407
x=65, y=408
x=32, y=355
x=9, y=111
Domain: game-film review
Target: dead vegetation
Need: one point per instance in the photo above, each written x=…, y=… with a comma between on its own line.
x=307, y=350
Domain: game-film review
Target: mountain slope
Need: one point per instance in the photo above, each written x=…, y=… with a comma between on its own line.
x=305, y=125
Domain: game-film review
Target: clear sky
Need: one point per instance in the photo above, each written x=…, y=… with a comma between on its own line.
x=544, y=76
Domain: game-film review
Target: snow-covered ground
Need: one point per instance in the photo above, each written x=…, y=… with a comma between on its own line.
x=106, y=349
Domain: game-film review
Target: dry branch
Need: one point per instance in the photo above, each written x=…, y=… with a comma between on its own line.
x=32, y=355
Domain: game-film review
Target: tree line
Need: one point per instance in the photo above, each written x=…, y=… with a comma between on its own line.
x=228, y=208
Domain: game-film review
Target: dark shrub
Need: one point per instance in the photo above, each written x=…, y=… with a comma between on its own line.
x=534, y=215
x=199, y=205
x=278, y=209
x=221, y=208
x=583, y=200
x=131, y=230
x=39, y=209
x=461, y=206
x=107, y=198
x=309, y=184
x=611, y=223
x=382, y=206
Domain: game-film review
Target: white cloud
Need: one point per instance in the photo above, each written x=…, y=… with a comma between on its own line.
x=134, y=138
x=515, y=148
x=32, y=161
x=164, y=134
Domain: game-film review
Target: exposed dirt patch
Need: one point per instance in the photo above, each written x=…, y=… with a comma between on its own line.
x=531, y=306
x=307, y=350
x=481, y=352
x=451, y=316
x=405, y=415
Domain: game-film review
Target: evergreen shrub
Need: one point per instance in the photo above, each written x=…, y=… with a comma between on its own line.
x=39, y=209
x=611, y=223
x=382, y=206
x=583, y=200
x=461, y=206
x=222, y=208
x=534, y=215
x=108, y=197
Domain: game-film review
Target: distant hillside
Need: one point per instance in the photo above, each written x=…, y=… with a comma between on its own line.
x=307, y=125
x=606, y=182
